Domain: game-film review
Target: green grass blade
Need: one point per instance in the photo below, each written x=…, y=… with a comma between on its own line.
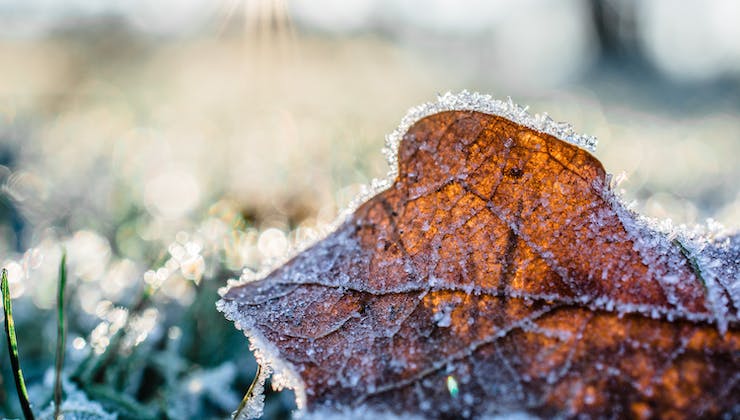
x=61, y=336
x=20, y=384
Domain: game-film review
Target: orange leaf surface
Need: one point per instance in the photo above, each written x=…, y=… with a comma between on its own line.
x=499, y=273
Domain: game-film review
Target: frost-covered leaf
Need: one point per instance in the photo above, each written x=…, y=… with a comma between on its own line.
x=498, y=273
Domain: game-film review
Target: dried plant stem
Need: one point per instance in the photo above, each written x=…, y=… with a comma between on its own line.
x=20, y=384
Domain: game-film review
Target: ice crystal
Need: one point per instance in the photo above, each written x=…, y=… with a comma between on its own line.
x=284, y=374
x=256, y=402
x=474, y=101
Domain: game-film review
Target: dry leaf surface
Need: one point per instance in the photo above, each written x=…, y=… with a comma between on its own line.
x=499, y=273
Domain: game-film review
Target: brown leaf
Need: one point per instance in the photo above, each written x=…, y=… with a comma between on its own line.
x=499, y=273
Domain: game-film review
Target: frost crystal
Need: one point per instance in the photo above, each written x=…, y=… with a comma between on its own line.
x=474, y=101
x=283, y=373
x=713, y=253
x=359, y=413
x=256, y=402
x=465, y=101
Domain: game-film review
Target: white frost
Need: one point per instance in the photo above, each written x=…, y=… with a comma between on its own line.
x=474, y=101
x=710, y=248
x=364, y=413
x=256, y=403
x=465, y=101
x=76, y=406
x=284, y=374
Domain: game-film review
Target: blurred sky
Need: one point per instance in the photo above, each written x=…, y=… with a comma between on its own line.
x=156, y=110
x=691, y=40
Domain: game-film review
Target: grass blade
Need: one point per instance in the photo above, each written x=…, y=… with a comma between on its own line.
x=20, y=384
x=61, y=336
x=249, y=393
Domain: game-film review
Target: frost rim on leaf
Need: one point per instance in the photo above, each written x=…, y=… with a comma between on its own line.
x=696, y=242
x=474, y=101
x=284, y=374
x=464, y=101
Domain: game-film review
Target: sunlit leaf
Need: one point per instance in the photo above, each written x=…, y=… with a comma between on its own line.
x=499, y=273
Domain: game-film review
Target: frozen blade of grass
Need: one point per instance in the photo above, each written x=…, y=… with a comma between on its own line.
x=249, y=393
x=20, y=384
x=61, y=336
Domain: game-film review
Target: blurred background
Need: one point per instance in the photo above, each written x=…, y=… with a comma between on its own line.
x=166, y=145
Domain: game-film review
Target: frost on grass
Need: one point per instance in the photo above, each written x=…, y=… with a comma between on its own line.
x=200, y=387
x=495, y=271
x=256, y=402
x=76, y=406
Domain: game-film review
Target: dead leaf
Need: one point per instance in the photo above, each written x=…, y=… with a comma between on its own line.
x=499, y=273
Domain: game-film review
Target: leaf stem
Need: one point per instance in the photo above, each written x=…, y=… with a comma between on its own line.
x=61, y=337
x=20, y=384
